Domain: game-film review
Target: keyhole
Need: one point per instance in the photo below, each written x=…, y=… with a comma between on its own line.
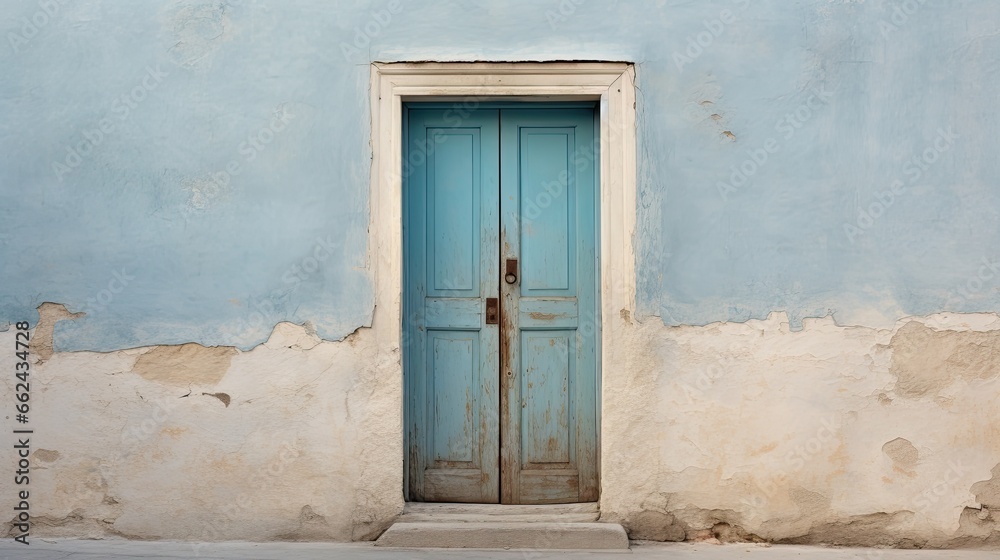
x=510, y=272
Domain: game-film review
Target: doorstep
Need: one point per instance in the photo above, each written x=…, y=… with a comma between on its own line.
x=549, y=527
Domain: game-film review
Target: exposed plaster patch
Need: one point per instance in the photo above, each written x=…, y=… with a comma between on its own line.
x=981, y=526
x=46, y=455
x=292, y=336
x=875, y=529
x=902, y=452
x=808, y=501
x=988, y=491
x=724, y=533
x=312, y=527
x=76, y=525
x=713, y=525
x=925, y=361
x=221, y=396
x=48, y=315
x=653, y=525
x=186, y=364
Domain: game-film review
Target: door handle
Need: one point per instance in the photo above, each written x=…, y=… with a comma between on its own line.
x=510, y=271
x=492, y=310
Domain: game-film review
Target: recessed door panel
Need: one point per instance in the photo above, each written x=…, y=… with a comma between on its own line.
x=454, y=227
x=546, y=357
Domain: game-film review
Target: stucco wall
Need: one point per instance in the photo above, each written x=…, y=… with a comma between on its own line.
x=820, y=175
x=846, y=435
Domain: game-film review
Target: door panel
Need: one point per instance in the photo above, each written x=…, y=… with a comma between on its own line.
x=546, y=222
x=450, y=267
x=545, y=407
x=453, y=225
x=501, y=412
x=547, y=349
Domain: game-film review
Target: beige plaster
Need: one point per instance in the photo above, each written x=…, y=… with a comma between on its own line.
x=728, y=432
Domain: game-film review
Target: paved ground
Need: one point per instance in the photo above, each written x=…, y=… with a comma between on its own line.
x=121, y=550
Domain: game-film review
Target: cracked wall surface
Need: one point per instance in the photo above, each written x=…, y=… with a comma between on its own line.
x=206, y=444
x=744, y=432
x=836, y=435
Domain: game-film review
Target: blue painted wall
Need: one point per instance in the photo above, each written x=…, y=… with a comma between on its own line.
x=198, y=171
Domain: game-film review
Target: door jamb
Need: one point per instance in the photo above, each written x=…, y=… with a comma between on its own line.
x=612, y=83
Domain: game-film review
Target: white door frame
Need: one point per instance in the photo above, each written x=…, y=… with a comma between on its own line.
x=613, y=83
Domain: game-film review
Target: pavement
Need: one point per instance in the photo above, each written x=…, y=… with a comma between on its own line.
x=65, y=549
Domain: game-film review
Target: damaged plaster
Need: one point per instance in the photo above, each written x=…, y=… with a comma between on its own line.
x=185, y=364
x=279, y=455
x=925, y=360
x=797, y=437
x=48, y=315
x=902, y=452
x=802, y=437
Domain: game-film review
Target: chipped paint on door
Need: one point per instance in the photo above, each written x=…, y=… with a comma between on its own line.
x=501, y=203
x=548, y=393
x=451, y=353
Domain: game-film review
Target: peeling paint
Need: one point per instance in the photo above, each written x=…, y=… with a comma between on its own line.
x=802, y=437
x=988, y=491
x=46, y=455
x=902, y=452
x=185, y=364
x=926, y=360
x=48, y=315
x=829, y=451
x=221, y=396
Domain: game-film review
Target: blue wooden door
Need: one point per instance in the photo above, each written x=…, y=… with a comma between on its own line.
x=500, y=305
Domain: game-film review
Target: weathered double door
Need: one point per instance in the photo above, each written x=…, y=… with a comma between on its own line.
x=500, y=311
